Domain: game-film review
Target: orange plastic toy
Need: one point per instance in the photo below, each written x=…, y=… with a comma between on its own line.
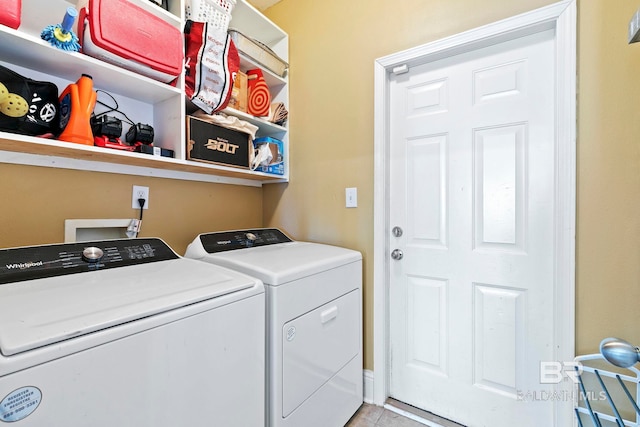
x=76, y=105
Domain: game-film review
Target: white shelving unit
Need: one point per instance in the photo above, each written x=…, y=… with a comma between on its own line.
x=142, y=99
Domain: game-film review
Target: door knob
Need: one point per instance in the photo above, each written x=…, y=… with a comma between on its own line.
x=397, y=254
x=397, y=231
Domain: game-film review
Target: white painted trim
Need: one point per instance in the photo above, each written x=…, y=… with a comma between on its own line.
x=96, y=166
x=367, y=381
x=566, y=83
x=562, y=17
x=380, y=240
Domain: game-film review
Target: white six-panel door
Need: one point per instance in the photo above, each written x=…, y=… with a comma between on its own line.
x=472, y=185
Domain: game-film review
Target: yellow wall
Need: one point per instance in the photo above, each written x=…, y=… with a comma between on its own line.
x=36, y=201
x=333, y=45
x=608, y=242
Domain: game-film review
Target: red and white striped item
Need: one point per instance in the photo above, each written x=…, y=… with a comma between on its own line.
x=259, y=101
x=212, y=62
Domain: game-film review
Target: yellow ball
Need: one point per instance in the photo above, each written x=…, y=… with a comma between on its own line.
x=14, y=106
x=4, y=92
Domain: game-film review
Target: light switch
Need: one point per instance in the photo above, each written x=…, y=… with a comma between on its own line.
x=351, y=197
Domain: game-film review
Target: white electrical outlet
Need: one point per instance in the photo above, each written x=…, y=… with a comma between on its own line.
x=139, y=193
x=351, y=195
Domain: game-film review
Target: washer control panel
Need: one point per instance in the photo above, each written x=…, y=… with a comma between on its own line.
x=37, y=262
x=242, y=239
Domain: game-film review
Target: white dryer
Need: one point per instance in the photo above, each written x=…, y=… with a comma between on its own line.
x=126, y=333
x=314, y=321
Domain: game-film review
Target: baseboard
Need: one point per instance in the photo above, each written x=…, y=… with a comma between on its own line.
x=368, y=386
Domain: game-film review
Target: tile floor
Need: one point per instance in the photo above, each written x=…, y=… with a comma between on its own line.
x=377, y=416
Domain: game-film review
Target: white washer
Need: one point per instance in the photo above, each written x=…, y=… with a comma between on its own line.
x=314, y=321
x=126, y=333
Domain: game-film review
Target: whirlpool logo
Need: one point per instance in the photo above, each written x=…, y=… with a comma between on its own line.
x=24, y=265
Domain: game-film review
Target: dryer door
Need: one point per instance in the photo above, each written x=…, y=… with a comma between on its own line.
x=317, y=345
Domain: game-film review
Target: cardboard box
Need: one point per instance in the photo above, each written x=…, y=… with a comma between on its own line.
x=277, y=151
x=210, y=143
x=239, y=92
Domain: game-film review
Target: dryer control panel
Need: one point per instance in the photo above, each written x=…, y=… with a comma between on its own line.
x=242, y=239
x=37, y=262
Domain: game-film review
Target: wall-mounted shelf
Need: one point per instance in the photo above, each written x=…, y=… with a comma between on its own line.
x=21, y=149
x=146, y=100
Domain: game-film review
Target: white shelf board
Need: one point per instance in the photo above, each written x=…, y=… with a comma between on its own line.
x=28, y=150
x=271, y=79
x=29, y=52
x=252, y=23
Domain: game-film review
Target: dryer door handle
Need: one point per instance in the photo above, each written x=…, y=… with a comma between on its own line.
x=329, y=314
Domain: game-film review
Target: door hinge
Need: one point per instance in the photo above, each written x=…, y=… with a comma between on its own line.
x=400, y=69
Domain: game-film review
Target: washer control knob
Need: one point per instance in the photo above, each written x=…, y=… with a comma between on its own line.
x=92, y=254
x=251, y=236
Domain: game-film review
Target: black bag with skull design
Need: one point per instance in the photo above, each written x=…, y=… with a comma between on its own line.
x=28, y=106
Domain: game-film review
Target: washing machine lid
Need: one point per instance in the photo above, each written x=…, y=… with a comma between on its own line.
x=67, y=297
x=267, y=256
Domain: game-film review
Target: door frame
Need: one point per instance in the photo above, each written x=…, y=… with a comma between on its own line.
x=560, y=16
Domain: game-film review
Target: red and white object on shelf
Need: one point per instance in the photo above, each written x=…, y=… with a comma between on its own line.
x=212, y=61
x=126, y=35
x=216, y=13
x=259, y=101
x=10, y=13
